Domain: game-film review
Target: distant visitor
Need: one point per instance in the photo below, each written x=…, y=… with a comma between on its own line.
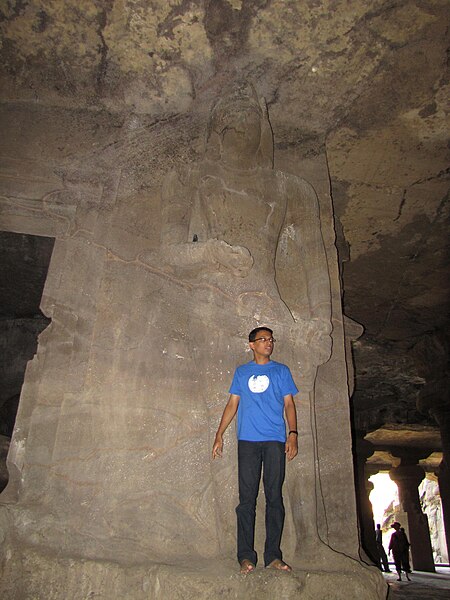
x=399, y=546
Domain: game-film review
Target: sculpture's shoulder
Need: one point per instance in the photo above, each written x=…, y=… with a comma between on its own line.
x=180, y=181
x=300, y=194
x=294, y=182
x=183, y=174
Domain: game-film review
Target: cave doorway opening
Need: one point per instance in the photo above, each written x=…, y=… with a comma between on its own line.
x=384, y=498
x=24, y=264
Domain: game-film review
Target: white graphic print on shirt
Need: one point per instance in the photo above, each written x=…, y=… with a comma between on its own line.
x=258, y=383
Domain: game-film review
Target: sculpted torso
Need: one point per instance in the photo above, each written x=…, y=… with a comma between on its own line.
x=247, y=212
x=242, y=230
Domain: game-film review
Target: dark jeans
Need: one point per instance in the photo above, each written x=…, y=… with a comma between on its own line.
x=271, y=458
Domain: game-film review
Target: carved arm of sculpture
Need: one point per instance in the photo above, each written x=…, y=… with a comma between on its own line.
x=305, y=269
x=179, y=210
x=212, y=255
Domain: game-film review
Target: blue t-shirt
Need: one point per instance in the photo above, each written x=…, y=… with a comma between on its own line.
x=261, y=389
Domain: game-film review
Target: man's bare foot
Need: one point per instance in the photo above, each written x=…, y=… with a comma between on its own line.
x=280, y=565
x=247, y=566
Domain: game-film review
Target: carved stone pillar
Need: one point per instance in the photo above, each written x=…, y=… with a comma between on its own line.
x=443, y=419
x=408, y=478
x=364, y=450
x=432, y=361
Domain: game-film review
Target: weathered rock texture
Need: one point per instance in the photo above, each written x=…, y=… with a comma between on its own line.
x=99, y=102
x=366, y=79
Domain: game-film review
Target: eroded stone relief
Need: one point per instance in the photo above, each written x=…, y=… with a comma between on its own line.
x=112, y=461
x=243, y=243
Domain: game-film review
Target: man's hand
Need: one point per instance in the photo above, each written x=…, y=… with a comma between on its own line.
x=228, y=415
x=291, y=446
x=217, y=447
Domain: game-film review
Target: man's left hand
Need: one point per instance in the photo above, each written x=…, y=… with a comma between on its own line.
x=291, y=446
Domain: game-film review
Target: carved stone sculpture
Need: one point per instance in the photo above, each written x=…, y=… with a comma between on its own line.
x=245, y=241
x=111, y=463
x=249, y=234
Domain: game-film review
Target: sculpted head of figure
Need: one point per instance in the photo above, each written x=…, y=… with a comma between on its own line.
x=239, y=130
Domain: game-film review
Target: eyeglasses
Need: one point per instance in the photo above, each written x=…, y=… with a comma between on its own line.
x=271, y=340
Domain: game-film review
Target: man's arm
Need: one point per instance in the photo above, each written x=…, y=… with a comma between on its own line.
x=227, y=416
x=291, y=417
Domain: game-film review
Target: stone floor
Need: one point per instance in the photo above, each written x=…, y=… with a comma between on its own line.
x=423, y=586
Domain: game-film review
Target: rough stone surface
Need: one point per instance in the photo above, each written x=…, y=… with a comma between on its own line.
x=48, y=575
x=100, y=101
x=366, y=80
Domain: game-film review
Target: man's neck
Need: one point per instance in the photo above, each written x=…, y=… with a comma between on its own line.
x=261, y=360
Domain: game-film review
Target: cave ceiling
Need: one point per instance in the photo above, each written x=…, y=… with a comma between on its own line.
x=365, y=81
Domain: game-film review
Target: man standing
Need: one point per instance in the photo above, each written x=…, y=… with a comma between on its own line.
x=261, y=391
x=381, y=551
x=399, y=546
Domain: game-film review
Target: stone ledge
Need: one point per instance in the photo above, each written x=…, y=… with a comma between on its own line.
x=32, y=574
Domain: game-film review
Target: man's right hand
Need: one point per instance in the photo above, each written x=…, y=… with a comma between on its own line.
x=217, y=447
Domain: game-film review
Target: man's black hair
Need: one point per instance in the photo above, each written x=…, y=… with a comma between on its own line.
x=254, y=332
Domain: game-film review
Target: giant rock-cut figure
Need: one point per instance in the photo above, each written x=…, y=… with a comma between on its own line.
x=242, y=247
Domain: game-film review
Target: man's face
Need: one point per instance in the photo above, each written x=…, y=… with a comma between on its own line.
x=263, y=345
